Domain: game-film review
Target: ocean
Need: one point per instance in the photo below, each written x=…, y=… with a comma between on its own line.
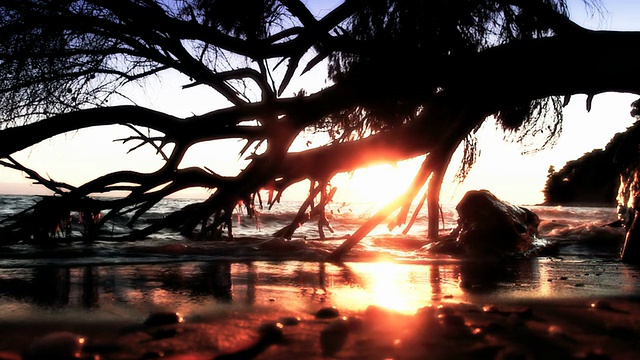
x=111, y=280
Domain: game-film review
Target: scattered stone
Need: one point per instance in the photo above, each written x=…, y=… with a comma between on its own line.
x=491, y=309
x=555, y=330
x=334, y=336
x=601, y=305
x=152, y=355
x=289, y=320
x=61, y=345
x=271, y=333
x=163, y=318
x=328, y=313
x=525, y=312
x=454, y=326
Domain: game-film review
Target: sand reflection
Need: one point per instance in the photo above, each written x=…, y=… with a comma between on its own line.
x=134, y=290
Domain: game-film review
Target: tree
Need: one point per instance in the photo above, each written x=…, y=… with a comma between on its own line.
x=409, y=78
x=594, y=178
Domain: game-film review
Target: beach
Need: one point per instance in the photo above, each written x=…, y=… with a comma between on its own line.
x=254, y=298
x=342, y=311
x=547, y=329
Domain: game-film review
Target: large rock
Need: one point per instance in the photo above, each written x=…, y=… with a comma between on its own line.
x=489, y=228
x=488, y=225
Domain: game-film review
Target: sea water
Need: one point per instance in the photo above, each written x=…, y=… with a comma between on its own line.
x=110, y=279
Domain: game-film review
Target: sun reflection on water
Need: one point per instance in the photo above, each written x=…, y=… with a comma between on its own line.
x=404, y=288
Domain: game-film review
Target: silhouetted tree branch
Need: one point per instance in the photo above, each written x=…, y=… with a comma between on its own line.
x=409, y=78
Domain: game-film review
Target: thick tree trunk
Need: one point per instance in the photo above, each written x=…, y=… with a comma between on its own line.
x=433, y=203
x=440, y=165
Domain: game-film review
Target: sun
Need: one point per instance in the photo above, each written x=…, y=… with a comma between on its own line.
x=377, y=185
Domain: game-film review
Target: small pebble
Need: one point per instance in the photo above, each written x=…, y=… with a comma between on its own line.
x=525, y=312
x=601, y=305
x=61, y=345
x=555, y=330
x=271, y=332
x=334, y=336
x=152, y=355
x=455, y=327
x=289, y=320
x=490, y=309
x=163, y=318
x=328, y=313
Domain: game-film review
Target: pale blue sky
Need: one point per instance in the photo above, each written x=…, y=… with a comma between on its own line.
x=80, y=156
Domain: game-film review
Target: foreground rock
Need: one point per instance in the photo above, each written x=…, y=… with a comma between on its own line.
x=489, y=227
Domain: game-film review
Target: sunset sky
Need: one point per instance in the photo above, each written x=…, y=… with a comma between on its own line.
x=501, y=168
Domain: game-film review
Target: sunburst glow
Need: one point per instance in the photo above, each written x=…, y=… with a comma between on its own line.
x=376, y=184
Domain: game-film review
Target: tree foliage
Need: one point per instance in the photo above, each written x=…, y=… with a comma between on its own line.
x=594, y=178
x=408, y=78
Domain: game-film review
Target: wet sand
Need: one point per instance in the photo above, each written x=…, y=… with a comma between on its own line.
x=535, y=329
x=545, y=308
